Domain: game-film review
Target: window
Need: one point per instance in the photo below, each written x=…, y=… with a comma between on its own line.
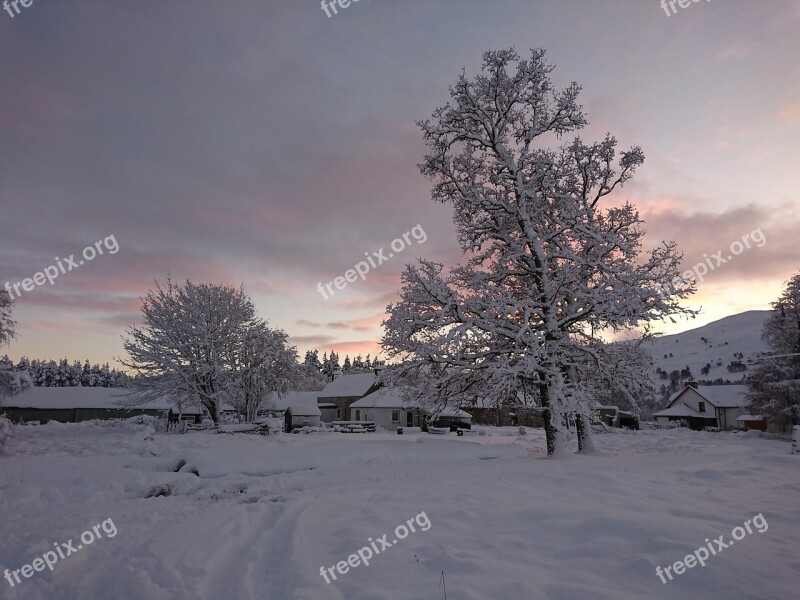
x=395, y=416
x=701, y=406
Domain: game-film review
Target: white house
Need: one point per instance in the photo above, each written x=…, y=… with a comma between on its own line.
x=706, y=406
x=387, y=408
x=335, y=400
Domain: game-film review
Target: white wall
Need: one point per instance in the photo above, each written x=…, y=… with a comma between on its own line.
x=381, y=416
x=305, y=421
x=692, y=399
x=728, y=416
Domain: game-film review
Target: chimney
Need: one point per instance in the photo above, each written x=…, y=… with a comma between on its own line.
x=337, y=372
x=378, y=365
x=692, y=384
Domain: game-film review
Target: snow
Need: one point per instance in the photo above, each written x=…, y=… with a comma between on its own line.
x=263, y=514
x=348, y=386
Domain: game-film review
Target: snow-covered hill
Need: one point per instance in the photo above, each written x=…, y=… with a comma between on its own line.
x=730, y=340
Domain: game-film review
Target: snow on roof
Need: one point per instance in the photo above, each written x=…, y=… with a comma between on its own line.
x=681, y=410
x=304, y=410
x=495, y=402
x=76, y=397
x=721, y=396
x=749, y=418
x=187, y=410
x=725, y=396
x=384, y=397
x=452, y=411
x=346, y=386
x=288, y=399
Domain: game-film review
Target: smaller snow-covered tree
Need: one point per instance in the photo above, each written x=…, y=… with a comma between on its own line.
x=312, y=360
x=774, y=386
x=7, y=332
x=266, y=363
x=188, y=343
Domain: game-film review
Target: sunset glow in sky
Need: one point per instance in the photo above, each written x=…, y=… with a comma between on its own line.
x=263, y=143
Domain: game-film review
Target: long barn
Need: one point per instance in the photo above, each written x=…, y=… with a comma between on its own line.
x=74, y=404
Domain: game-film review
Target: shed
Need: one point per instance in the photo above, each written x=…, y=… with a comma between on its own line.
x=301, y=415
x=748, y=422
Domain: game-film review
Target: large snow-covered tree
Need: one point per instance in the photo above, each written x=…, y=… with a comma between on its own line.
x=551, y=261
x=774, y=385
x=189, y=343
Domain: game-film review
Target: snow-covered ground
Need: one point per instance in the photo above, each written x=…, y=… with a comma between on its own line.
x=262, y=515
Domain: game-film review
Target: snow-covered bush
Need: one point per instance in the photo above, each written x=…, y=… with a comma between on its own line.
x=5, y=432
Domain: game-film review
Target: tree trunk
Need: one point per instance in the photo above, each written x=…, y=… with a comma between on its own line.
x=212, y=410
x=584, y=427
x=547, y=413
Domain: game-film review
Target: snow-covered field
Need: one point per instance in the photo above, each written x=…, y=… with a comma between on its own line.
x=262, y=515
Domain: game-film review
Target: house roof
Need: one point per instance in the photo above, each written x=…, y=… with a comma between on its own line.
x=720, y=396
x=681, y=410
x=304, y=410
x=384, y=397
x=77, y=397
x=287, y=399
x=348, y=386
x=452, y=411
x=187, y=410
x=725, y=396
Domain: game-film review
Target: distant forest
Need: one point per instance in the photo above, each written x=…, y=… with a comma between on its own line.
x=49, y=373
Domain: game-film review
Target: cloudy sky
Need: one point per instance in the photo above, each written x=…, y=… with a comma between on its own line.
x=264, y=143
